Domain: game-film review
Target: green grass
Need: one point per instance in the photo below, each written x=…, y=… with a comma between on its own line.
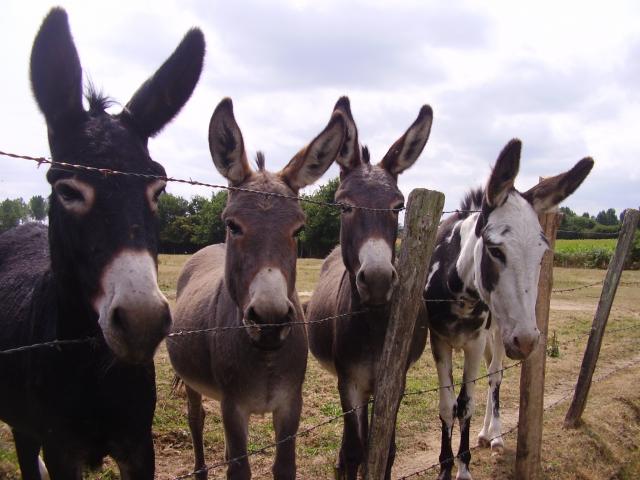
x=418, y=424
x=582, y=245
x=584, y=253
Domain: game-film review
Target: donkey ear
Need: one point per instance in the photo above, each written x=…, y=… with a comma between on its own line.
x=56, y=74
x=408, y=147
x=349, y=156
x=162, y=96
x=504, y=174
x=553, y=190
x=226, y=144
x=310, y=163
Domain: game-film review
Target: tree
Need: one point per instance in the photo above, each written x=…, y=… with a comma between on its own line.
x=208, y=227
x=13, y=212
x=38, y=207
x=174, y=232
x=607, y=218
x=322, y=230
x=567, y=212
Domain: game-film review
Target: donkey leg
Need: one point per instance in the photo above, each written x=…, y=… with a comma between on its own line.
x=61, y=464
x=236, y=429
x=473, y=351
x=495, y=380
x=392, y=455
x=442, y=354
x=286, y=419
x=27, y=449
x=196, y=414
x=484, y=437
x=352, y=449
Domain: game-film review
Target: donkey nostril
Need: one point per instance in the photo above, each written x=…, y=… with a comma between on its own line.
x=361, y=276
x=516, y=342
x=118, y=320
x=252, y=316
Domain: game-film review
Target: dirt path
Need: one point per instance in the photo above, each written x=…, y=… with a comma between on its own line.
x=554, y=394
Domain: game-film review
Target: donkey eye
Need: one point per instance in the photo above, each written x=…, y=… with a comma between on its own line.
x=298, y=231
x=497, y=253
x=398, y=207
x=68, y=194
x=157, y=193
x=234, y=228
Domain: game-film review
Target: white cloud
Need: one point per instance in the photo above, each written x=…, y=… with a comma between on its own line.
x=562, y=76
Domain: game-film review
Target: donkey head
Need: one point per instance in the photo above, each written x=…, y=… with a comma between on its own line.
x=260, y=266
x=367, y=237
x=511, y=244
x=103, y=230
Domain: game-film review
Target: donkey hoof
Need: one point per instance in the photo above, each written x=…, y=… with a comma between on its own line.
x=339, y=473
x=497, y=447
x=483, y=442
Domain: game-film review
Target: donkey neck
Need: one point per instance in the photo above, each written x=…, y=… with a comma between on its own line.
x=465, y=263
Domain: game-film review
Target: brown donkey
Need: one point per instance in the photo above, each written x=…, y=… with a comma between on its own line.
x=249, y=283
x=358, y=275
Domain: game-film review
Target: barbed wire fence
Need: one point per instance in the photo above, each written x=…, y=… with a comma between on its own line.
x=180, y=333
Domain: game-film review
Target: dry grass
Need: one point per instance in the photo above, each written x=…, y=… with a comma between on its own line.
x=605, y=447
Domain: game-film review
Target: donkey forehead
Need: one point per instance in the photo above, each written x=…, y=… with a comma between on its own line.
x=370, y=184
x=264, y=195
x=105, y=141
x=513, y=221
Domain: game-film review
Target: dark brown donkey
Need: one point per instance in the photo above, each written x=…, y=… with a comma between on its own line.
x=358, y=275
x=246, y=287
x=91, y=272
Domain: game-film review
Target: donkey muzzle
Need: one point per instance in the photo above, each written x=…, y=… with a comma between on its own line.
x=268, y=332
x=134, y=315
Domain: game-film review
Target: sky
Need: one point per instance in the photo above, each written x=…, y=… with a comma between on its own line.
x=561, y=76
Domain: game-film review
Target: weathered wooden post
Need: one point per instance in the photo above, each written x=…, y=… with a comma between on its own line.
x=533, y=368
x=609, y=287
x=424, y=209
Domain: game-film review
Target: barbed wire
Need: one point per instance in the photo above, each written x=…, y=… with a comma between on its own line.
x=334, y=419
x=264, y=449
x=589, y=235
x=180, y=333
x=50, y=344
x=464, y=382
x=564, y=290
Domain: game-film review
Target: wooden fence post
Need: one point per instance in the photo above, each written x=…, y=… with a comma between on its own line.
x=609, y=287
x=424, y=209
x=533, y=368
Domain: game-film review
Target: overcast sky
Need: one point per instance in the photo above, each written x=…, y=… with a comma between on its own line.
x=562, y=76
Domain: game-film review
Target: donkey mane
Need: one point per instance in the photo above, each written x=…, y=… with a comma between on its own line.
x=366, y=156
x=98, y=101
x=472, y=201
x=260, y=160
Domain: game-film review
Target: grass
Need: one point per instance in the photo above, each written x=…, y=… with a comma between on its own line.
x=585, y=253
x=606, y=446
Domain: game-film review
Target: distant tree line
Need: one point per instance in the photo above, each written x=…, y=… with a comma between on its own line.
x=15, y=211
x=606, y=224
x=188, y=225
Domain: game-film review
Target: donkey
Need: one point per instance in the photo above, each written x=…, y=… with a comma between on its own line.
x=485, y=267
x=359, y=274
x=246, y=288
x=91, y=273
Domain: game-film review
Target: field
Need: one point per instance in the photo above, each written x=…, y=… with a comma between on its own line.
x=607, y=446
x=585, y=253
